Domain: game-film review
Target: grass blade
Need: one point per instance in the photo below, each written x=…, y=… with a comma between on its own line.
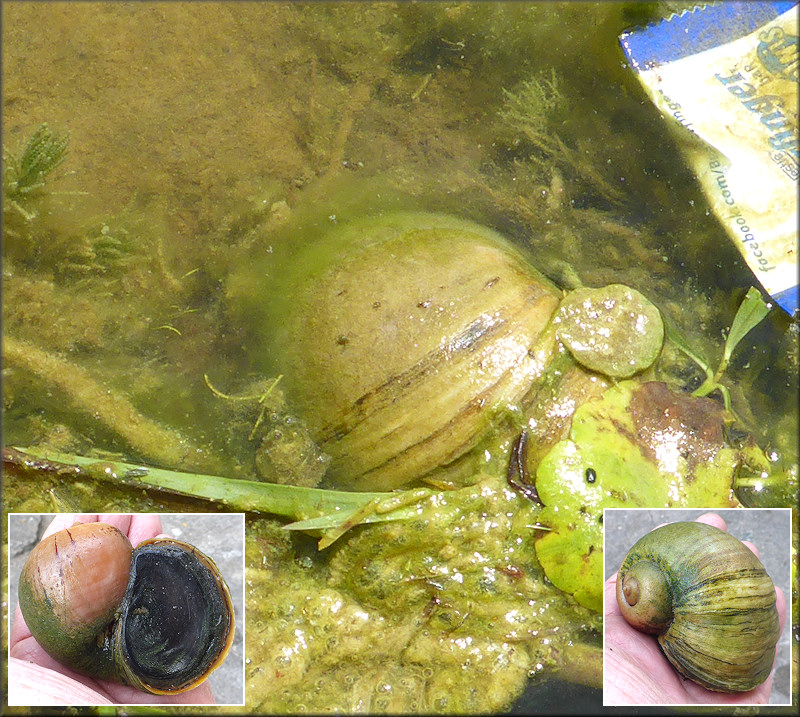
x=293, y=502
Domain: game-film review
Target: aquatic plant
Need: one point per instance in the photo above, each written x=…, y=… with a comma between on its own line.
x=529, y=115
x=751, y=312
x=106, y=249
x=529, y=111
x=535, y=112
x=25, y=172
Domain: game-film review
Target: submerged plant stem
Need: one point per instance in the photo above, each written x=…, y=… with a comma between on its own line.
x=112, y=410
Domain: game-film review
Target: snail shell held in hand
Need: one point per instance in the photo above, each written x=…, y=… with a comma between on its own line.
x=158, y=618
x=405, y=331
x=710, y=601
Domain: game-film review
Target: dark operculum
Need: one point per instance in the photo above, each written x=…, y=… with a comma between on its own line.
x=176, y=619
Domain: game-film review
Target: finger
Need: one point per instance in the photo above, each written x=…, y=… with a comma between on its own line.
x=124, y=694
x=712, y=519
x=31, y=651
x=752, y=547
x=61, y=521
x=610, y=605
x=144, y=526
x=780, y=605
x=28, y=651
x=136, y=527
x=121, y=521
x=19, y=630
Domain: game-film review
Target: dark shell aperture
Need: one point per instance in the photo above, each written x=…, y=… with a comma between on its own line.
x=176, y=622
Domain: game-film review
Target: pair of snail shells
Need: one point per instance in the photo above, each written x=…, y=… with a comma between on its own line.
x=158, y=618
x=709, y=600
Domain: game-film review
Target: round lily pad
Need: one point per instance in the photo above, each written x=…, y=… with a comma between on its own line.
x=614, y=330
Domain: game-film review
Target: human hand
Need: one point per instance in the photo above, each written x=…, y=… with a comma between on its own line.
x=35, y=678
x=636, y=672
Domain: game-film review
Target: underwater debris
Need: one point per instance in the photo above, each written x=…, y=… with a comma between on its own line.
x=111, y=410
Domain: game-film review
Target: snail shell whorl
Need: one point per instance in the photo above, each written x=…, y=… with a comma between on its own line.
x=395, y=350
x=645, y=597
x=70, y=587
x=723, y=625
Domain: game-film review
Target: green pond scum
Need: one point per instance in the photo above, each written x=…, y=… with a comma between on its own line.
x=169, y=170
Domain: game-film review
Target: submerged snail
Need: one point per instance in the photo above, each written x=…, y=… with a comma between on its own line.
x=159, y=618
x=710, y=601
x=405, y=331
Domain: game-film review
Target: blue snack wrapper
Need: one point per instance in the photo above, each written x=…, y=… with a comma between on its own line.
x=726, y=78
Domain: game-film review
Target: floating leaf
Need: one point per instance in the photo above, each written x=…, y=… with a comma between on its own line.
x=613, y=329
x=623, y=453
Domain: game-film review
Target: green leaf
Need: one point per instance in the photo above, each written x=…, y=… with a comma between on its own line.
x=310, y=508
x=606, y=462
x=751, y=312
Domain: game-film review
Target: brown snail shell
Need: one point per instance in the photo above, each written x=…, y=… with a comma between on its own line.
x=708, y=598
x=159, y=618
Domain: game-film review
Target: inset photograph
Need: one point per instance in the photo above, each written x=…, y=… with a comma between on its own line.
x=126, y=609
x=695, y=607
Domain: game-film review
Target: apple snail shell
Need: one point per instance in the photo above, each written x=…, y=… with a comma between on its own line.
x=708, y=598
x=159, y=618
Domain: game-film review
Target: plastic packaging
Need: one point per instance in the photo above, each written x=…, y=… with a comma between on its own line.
x=726, y=77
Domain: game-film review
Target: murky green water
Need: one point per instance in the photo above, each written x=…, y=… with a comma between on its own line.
x=208, y=139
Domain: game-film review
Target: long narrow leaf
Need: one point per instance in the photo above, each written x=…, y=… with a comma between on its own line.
x=293, y=502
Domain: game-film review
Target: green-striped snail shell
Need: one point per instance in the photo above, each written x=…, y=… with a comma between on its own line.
x=159, y=618
x=405, y=330
x=710, y=601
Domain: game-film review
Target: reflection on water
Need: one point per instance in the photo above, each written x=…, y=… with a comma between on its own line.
x=209, y=137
